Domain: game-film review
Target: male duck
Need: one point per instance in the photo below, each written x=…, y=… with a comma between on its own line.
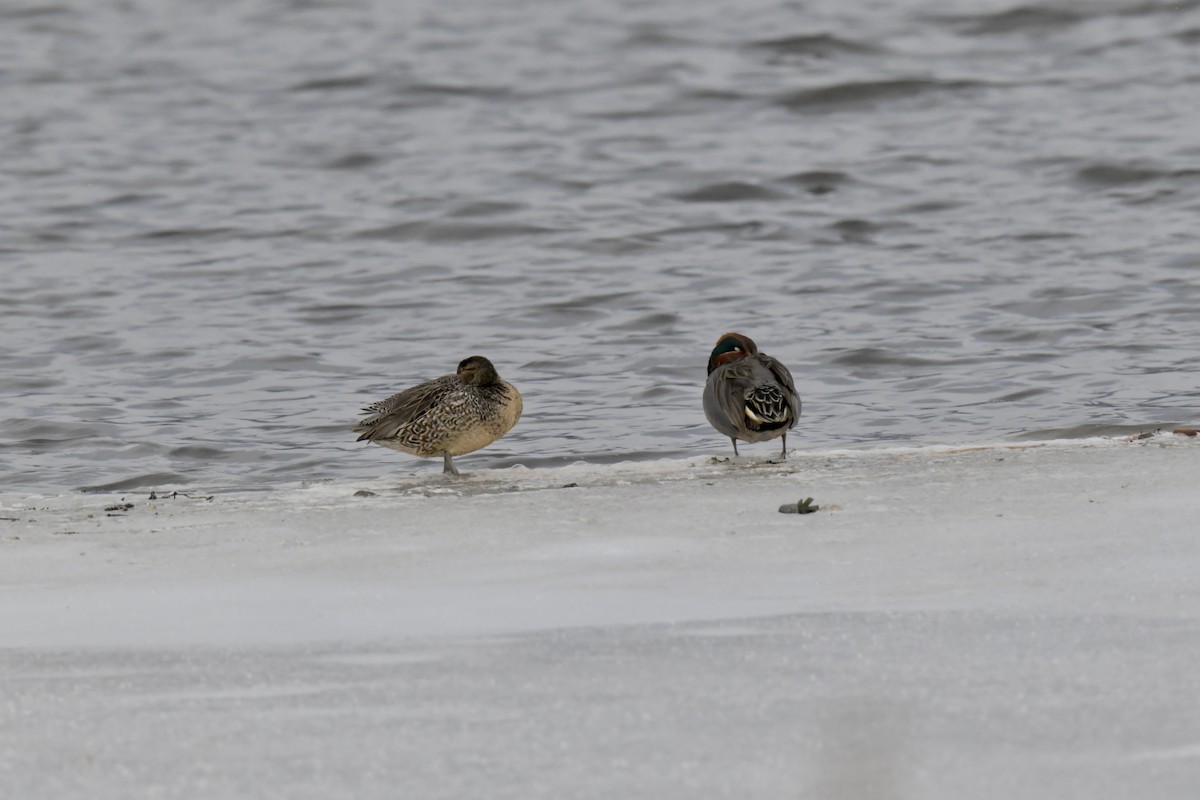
x=749, y=395
x=447, y=416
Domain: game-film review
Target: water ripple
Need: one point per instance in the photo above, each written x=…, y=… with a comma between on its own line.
x=855, y=95
x=821, y=45
x=730, y=191
x=224, y=235
x=432, y=231
x=1037, y=20
x=1112, y=174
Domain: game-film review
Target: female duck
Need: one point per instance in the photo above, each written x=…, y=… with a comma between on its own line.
x=447, y=416
x=749, y=395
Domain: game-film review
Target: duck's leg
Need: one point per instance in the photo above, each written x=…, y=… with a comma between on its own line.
x=448, y=467
x=735, y=452
x=783, y=453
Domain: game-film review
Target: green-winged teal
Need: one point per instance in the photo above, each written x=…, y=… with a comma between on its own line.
x=749, y=395
x=447, y=416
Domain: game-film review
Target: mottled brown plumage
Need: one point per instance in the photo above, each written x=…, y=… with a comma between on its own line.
x=447, y=416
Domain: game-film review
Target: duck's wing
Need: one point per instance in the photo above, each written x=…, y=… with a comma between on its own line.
x=385, y=418
x=784, y=377
x=725, y=395
x=780, y=372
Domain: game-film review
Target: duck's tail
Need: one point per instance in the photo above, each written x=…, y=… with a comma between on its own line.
x=767, y=409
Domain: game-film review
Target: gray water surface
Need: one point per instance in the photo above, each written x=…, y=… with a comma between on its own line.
x=225, y=227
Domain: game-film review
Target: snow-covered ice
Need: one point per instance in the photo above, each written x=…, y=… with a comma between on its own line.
x=983, y=622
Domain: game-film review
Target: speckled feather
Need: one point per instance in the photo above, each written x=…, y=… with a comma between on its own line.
x=446, y=416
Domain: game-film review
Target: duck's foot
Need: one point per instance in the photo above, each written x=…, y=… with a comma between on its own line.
x=448, y=467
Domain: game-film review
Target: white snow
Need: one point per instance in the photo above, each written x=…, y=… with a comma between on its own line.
x=984, y=622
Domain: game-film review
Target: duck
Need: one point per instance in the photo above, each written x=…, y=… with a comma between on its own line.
x=749, y=395
x=448, y=416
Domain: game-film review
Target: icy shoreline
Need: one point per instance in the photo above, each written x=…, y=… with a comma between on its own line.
x=638, y=542
x=1013, y=620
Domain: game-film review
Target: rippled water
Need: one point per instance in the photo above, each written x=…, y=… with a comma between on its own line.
x=225, y=227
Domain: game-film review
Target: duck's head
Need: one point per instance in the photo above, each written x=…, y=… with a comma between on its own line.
x=731, y=347
x=477, y=371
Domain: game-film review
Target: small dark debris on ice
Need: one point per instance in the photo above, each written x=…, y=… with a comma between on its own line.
x=804, y=506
